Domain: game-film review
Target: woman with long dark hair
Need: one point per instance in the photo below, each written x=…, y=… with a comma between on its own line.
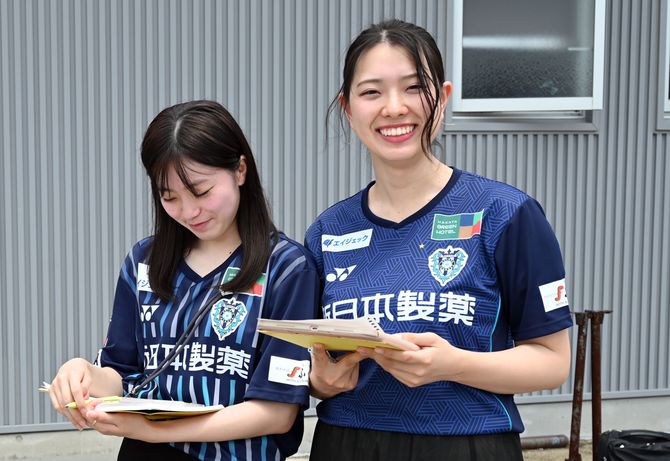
x=466, y=268
x=187, y=304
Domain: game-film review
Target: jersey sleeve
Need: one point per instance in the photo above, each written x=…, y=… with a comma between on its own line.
x=120, y=350
x=531, y=274
x=282, y=371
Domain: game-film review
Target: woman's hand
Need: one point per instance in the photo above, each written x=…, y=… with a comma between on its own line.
x=328, y=376
x=436, y=360
x=130, y=425
x=72, y=383
x=77, y=381
x=531, y=365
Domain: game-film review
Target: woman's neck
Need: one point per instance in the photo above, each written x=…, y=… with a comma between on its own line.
x=400, y=192
x=207, y=255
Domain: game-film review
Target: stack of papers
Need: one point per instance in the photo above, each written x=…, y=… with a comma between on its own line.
x=150, y=408
x=334, y=334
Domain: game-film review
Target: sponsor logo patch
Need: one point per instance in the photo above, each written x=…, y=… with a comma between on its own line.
x=148, y=311
x=446, y=263
x=255, y=290
x=288, y=371
x=456, y=226
x=143, y=278
x=346, y=242
x=340, y=274
x=226, y=316
x=554, y=295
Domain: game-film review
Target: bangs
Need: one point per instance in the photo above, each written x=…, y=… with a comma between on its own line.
x=161, y=170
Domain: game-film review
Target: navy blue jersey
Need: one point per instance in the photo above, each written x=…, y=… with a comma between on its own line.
x=227, y=361
x=479, y=266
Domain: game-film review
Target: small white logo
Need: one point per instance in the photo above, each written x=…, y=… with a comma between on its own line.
x=554, y=295
x=289, y=371
x=340, y=274
x=143, y=278
x=148, y=311
x=346, y=242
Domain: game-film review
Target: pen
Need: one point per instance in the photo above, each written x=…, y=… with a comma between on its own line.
x=111, y=398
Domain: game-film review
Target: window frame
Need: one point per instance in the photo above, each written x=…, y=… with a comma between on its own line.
x=663, y=110
x=567, y=107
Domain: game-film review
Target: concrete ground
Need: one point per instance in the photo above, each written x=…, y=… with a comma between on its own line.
x=89, y=445
x=540, y=420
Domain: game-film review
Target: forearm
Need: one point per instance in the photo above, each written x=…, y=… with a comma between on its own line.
x=527, y=367
x=244, y=420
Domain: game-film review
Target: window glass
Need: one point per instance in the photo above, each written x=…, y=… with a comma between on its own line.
x=527, y=48
x=532, y=50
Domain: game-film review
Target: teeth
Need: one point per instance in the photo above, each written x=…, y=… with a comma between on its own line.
x=398, y=131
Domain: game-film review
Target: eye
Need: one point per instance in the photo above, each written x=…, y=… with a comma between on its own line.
x=369, y=92
x=167, y=198
x=202, y=194
x=415, y=88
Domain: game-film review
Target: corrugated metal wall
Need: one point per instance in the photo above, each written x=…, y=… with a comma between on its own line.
x=80, y=80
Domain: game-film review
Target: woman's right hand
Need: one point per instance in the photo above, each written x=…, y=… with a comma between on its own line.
x=72, y=383
x=329, y=377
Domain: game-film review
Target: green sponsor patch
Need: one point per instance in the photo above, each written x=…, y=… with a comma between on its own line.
x=445, y=227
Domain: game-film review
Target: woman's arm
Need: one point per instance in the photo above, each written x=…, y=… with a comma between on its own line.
x=535, y=364
x=244, y=420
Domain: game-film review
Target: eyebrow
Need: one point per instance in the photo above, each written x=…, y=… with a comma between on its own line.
x=379, y=80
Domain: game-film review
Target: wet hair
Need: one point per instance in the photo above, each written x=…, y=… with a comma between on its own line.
x=203, y=132
x=420, y=48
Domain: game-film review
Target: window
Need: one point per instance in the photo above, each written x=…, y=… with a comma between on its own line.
x=528, y=55
x=663, y=113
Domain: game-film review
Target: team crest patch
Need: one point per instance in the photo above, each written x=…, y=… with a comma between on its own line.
x=446, y=263
x=227, y=315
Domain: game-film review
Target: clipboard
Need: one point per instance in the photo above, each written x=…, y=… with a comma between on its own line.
x=153, y=409
x=334, y=334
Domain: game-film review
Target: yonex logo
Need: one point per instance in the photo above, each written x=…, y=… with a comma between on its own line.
x=148, y=311
x=340, y=274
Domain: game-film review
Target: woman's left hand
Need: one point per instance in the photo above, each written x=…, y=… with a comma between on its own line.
x=436, y=360
x=129, y=425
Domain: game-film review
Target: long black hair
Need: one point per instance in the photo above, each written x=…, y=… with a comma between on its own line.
x=421, y=48
x=206, y=133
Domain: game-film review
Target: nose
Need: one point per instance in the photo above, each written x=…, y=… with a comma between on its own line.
x=395, y=105
x=190, y=209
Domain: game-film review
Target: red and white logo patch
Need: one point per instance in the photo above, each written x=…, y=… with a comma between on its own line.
x=554, y=295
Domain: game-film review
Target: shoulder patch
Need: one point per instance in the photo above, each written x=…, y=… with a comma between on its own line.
x=143, y=278
x=553, y=295
x=288, y=371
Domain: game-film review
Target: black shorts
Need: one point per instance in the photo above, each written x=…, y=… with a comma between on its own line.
x=332, y=443
x=136, y=450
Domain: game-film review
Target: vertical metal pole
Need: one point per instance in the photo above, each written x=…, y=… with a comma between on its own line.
x=596, y=322
x=578, y=388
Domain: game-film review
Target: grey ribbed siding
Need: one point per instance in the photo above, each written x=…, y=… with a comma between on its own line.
x=79, y=81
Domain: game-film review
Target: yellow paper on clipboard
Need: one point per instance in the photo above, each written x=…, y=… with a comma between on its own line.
x=334, y=334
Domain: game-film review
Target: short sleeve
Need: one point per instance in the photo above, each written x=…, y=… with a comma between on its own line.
x=531, y=274
x=282, y=371
x=120, y=350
